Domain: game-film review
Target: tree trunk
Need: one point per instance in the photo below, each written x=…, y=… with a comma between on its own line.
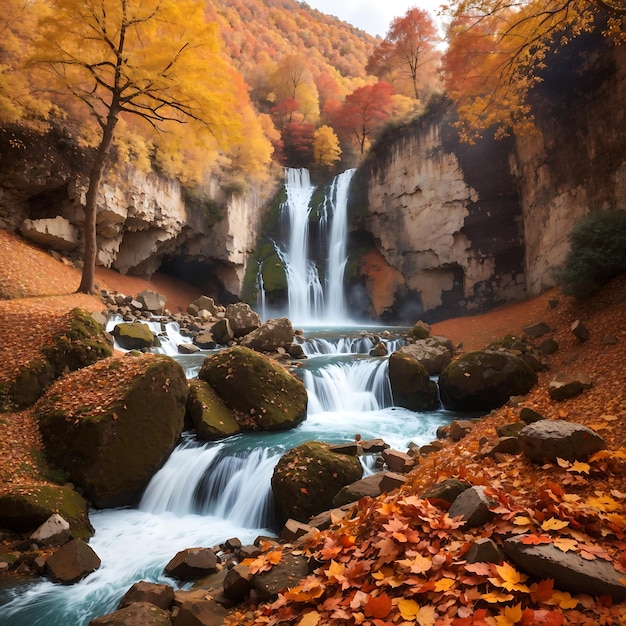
x=91, y=206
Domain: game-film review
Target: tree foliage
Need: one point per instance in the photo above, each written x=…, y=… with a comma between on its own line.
x=326, y=150
x=498, y=48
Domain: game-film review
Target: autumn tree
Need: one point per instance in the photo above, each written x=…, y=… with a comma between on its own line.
x=363, y=113
x=408, y=52
x=498, y=49
x=326, y=150
x=298, y=144
x=157, y=60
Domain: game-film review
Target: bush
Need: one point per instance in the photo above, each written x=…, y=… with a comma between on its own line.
x=597, y=253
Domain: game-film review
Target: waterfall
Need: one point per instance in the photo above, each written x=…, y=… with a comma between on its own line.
x=316, y=346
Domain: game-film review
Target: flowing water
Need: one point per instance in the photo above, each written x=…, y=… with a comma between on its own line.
x=209, y=492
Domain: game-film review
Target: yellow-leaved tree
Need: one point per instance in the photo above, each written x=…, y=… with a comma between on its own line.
x=498, y=48
x=326, y=148
x=157, y=60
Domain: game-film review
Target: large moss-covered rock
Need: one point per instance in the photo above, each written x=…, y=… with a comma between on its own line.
x=134, y=336
x=484, y=380
x=263, y=394
x=111, y=425
x=211, y=418
x=24, y=508
x=309, y=476
x=410, y=383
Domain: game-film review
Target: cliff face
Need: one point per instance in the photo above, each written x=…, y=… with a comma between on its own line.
x=457, y=228
x=145, y=222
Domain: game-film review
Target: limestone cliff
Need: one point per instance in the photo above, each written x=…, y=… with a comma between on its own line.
x=145, y=221
x=457, y=228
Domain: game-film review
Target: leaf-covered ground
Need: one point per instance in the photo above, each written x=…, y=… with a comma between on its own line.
x=399, y=559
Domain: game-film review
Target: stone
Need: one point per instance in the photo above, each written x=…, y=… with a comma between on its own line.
x=202, y=612
x=368, y=486
x=192, y=563
x=398, y=461
x=529, y=416
x=502, y=445
x=72, y=562
x=548, y=346
x=536, y=330
x=484, y=380
x=238, y=583
x=296, y=351
x=274, y=334
x=569, y=570
x=55, y=531
x=473, y=506
x=512, y=429
x=420, y=330
x=252, y=384
x=579, y=330
x=188, y=348
x=158, y=594
x=134, y=336
x=446, y=490
x=351, y=449
x=112, y=453
x=484, y=550
x=205, y=341
x=391, y=480
x=459, y=429
x=548, y=440
x=242, y=318
x=205, y=303
x=26, y=507
x=222, y=332
x=137, y=614
x=293, y=529
x=609, y=340
x=411, y=386
x=56, y=233
x=434, y=353
x=564, y=386
x=291, y=569
x=152, y=301
x=372, y=446
x=307, y=478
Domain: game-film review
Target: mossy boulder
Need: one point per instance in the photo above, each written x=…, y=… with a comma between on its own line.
x=410, y=383
x=263, y=395
x=484, y=380
x=211, y=418
x=309, y=476
x=273, y=272
x=112, y=425
x=421, y=330
x=134, y=336
x=30, y=383
x=24, y=508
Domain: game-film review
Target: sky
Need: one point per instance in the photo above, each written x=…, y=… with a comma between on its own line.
x=373, y=16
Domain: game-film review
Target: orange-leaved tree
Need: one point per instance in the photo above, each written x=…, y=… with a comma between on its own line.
x=408, y=52
x=157, y=60
x=498, y=49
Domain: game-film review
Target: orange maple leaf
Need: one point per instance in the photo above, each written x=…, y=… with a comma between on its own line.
x=378, y=606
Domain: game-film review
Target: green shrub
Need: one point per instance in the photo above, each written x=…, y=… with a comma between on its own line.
x=597, y=253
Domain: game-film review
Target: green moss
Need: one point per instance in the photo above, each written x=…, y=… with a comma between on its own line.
x=211, y=418
x=31, y=381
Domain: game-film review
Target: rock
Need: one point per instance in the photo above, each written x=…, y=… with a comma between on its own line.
x=512, y=429
x=238, y=583
x=548, y=346
x=201, y=612
x=112, y=444
x=569, y=570
x=579, y=331
x=205, y=303
x=222, y=332
x=137, y=614
x=459, y=429
x=552, y=439
x=134, y=336
x=410, y=383
x=351, y=449
x=473, y=506
x=152, y=301
x=536, y=330
x=205, y=341
x=287, y=573
x=502, y=445
x=307, y=478
x=371, y=486
x=275, y=333
x=24, y=508
x=55, y=531
x=609, y=340
x=565, y=386
x=528, y=416
x=484, y=380
x=192, y=563
x=295, y=351
x=188, y=348
x=447, y=490
x=380, y=349
x=56, y=233
x=421, y=330
x=390, y=481
x=211, y=418
x=398, y=461
x=484, y=551
x=72, y=562
x=242, y=318
x=158, y=594
x=372, y=446
x=434, y=353
x=250, y=383
x=293, y=529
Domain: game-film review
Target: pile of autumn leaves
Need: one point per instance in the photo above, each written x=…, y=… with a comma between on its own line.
x=400, y=559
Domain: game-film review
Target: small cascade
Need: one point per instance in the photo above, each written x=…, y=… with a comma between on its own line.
x=316, y=346
x=260, y=300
